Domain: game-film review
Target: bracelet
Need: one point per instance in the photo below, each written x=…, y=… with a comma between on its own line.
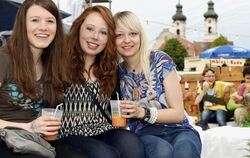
x=154, y=115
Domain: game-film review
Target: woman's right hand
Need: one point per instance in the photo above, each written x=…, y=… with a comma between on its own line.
x=46, y=125
x=206, y=86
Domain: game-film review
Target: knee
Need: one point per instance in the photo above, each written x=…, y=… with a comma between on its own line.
x=157, y=147
x=247, y=97
x=127, y=139
x=187, y=148
x=222, y=122
x=126, y=142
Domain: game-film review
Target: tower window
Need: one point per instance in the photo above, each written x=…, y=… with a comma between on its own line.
x=178, y=32
x=209, y=29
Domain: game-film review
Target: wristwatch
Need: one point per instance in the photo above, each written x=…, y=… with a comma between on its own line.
x=147, y=114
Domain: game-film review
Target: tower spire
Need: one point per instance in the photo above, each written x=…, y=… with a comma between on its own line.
x=210, y=22
x=179, y=21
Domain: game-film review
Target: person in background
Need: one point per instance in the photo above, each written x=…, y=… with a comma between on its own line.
x=93, y=73
x=220, y=92
x=151, y=94
x=241, y=98
x=27, y=74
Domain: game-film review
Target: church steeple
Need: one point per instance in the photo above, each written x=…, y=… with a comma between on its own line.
x=179, y=21
x=210, y=12
x=210, y=23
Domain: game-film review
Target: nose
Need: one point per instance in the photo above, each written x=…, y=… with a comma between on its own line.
x=43, y=25
x=95, y=35
x=126, y=38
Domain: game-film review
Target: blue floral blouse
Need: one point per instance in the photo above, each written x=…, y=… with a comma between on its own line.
x=135, y=87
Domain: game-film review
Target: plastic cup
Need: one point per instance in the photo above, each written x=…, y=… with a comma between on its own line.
x=117, y=119
x=55, y=113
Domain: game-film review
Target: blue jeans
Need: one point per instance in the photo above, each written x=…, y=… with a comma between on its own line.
x=115, y=143
x=170, y=142
x=221, y=117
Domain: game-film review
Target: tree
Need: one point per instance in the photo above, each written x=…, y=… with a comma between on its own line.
x=176, y=51
x=220, y=41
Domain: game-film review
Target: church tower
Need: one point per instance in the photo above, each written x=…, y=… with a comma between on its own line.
x=210, y=23
x=179, y=21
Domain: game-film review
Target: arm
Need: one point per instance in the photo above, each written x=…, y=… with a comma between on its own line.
x=43, y=125
x=40, y=125
x=175, y=112
x=199, y=98
x=202, y=93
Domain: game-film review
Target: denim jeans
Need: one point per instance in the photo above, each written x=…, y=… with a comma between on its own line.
x=115, y=143
x=221, y=117
x=170, y=142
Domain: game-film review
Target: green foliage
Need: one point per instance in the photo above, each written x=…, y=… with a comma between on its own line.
x=220, y=41
x=176, y=51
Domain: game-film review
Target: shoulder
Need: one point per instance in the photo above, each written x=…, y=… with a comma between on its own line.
x=160, y=58
x=4, y=52
x=242, y=85
x=157, y=54
x=4, y=55
x=223, y=83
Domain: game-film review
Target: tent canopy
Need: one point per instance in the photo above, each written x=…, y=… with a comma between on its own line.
x=226, y=52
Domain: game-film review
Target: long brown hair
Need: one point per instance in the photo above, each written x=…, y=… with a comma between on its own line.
x=105, y=65
x=22, y=59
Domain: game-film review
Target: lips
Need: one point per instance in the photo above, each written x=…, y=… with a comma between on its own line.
x=42, y=35
x=127, y=47
x=92, y=45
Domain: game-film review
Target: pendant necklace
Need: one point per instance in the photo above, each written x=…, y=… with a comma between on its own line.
x=132, y=68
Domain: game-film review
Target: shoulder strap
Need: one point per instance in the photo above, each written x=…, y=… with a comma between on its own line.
x=97, y=103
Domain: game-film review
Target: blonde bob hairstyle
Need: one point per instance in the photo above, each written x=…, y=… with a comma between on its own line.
x=129, y=20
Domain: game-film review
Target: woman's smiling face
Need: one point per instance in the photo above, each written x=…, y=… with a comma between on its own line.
x=41, y=27
x=93, y=34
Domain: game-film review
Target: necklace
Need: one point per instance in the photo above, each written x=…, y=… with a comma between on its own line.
x=132, y=68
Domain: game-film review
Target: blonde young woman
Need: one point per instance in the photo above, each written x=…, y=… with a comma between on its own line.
x=151, y=93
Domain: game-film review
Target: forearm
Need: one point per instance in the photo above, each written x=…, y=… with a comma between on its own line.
x=170, y=115
x=199, y=97
x=164, y=116
x=4, y=124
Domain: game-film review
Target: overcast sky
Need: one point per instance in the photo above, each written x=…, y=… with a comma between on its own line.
x=233, y=20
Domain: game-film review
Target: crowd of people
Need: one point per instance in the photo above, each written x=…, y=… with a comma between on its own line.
x=221, y=101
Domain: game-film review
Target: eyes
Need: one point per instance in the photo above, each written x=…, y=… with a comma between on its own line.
x=121, y=35
x=93, y=29
x=38, y=20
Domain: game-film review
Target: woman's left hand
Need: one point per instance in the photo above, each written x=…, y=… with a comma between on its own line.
x=131, y=110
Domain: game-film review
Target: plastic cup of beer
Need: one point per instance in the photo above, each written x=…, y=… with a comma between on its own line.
x=117, y=119
x=54, y=113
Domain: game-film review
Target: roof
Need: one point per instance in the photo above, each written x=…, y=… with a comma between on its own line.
x=210, y=12
x=179, y=15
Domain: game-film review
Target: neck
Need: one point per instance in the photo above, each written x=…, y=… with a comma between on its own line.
x=89, y=60
x=133, y=65
x=37, y=57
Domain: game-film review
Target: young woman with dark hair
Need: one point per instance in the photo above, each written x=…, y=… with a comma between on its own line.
x=31, y=76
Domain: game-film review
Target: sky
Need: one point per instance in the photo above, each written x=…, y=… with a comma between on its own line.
x=233, y=20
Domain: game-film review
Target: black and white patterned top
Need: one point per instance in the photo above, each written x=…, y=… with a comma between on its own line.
x=81, y=116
